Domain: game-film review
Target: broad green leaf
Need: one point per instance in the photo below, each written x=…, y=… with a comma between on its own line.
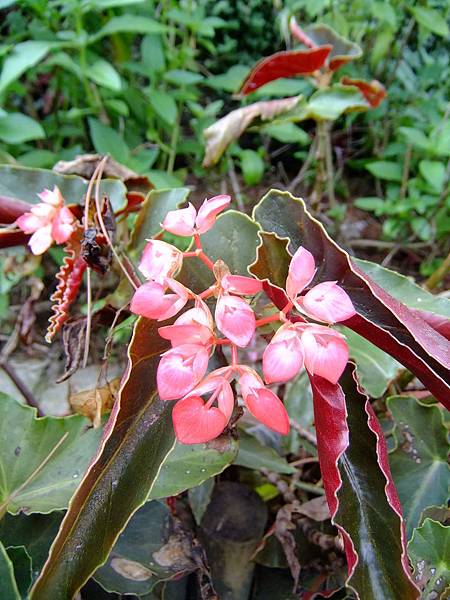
x=441, y=139
x=149, y=550
x=283, y=87
x=254, y=455
x=161, y=179
x=404, y=289
x=137, y=439
x=164, y=106
x=429, y=550
x=22, y=566
x=419, y=464
x=24, y=184
x=375, y=368
x=287, y=133
x=103, y=73
x=432, y=20
x=416, y=137
x=16, y=128
x=35, y=532
x=231, y=81
x=152, y=212
x=252, y=166
x=433, y=172
x=41, y=159
x=108, y=141
x=187, y=466
x=371, y=203
x=8, y=585
x=181, y=77
x=385, y=169
x=41, y=460
x=233, y=239
x=331, y=103
x=199, y=497
x=152, y=53
x=24, y=56
x=129, y=24
x=383, y=11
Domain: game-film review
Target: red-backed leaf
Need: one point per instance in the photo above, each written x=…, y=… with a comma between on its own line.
x=285, y=64
x=373, y=91
x=439, y=323
x=11, y=209
x=136, y=439
x=380, y=318
x=342, y=50
x=360, y=491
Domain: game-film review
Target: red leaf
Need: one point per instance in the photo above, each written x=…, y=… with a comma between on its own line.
x=373, y=91
x=363, y=501
x=285, y=64
x=381, y=319
x=11, y=209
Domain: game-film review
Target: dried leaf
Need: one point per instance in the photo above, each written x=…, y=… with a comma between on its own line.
x=97, y=401
x=373, y=91
x=84, y=165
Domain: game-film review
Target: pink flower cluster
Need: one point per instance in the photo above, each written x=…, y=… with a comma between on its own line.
x=206, y=400
x=49, y=221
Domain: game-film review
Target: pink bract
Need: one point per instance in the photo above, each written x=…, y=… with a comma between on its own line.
x=180, y=370
x=49, y=221
x=235, y=319
x=326, y=352
x=263, y=403
x=151, y=301
x=195, y=423
x=283, y=357
x=160, y=260
x=187, y=222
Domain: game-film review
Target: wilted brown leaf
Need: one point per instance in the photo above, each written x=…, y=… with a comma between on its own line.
x=95, y=402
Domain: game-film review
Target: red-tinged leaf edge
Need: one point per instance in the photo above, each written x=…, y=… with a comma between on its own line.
x=347, y=455
x=373, y=91
x=381, y=319
x=285, y=64
x=70, y=278
x=136, y=440
x=11, y=209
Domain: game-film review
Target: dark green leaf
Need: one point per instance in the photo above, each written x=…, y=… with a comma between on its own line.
x=199, y=497
x=254, y=455
x=8, y=585
x=384, y=169
x=108, y=141
x=429, y=550
x=21, y=561
x=23, y=56
x=164, y=106
x=252, y=166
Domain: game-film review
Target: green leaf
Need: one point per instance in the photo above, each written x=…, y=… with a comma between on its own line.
x=199, y=497
x=419, y=464
x=153, y=210
x=234, y=240
x=161, y=179
x=429, y=550
x=21, y=561
x=24, y=56
x=42, y=460
x=416, y=137
x=129, y=24
x=384, y=169
x=16, y=128
x=288, y=133
x=8, y=585
x=371, y=203
x=102, y=4
x=24, y=184
x=187, y=466
x=152, y=53
x=108, y=141
x=103, y=73
x=254, y=455
x=432, y=20
x=333, y=102
x=164, y=106
x=298, y=401
x=181, y=77
x=441, y=139
x=433, y=172
x=252, y=166
x=375, y=368
x=422, y=228
x=231, y=81
x=137, y=439
x=404, y=289
x=149, y=550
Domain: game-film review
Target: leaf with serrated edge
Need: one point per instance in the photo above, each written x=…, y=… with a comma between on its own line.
x=136, y=440
x=429, y=550
x=359, y=488
x=380, y=318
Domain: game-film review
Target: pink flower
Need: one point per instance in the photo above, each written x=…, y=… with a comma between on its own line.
x=326, y=351
x=188, y=222
x=263, y=403
x=326, y=301
x=160, y=260
x=195, y=326
x=238, y=284
x=49, y=221
x=196, y=422
x=151, y=301
x=235, y=319
x=180, y=370
x=283, y=357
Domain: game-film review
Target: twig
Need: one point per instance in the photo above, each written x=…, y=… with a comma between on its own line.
x=26, y=393
x=304, y=169
x=304, y=433
x=329, y=165
x=435, y=278
x=235, y=184
x=387, y=245
x=405, y=173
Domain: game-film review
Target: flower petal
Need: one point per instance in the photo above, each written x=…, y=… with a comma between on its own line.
x=264, y=405
x=238, y=284
x=208, y=212
x=283, y=357
x=29, y=222
x=302, y=269
x=180, y=370
x=150, y=301
x=181, y=222
x=41, y=240
x=160, y=260
x=326, y=353
x=63, y=225
x=194, y=423
x=53, y=197
x=235, y=319
x=328, y=302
